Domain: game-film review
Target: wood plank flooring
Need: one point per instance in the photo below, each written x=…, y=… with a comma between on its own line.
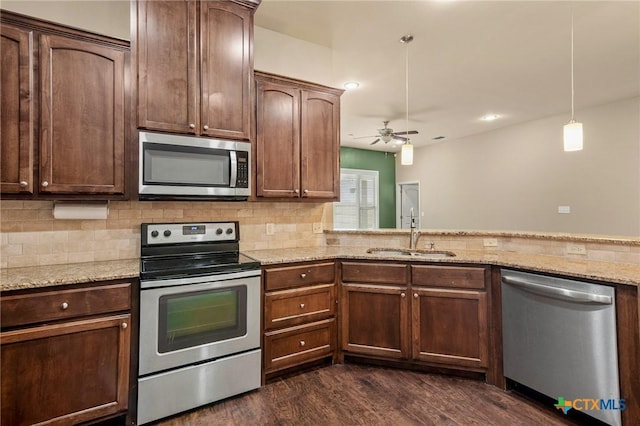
x=351, y=394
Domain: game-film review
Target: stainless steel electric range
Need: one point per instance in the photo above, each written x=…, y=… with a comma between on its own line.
x=199, y=317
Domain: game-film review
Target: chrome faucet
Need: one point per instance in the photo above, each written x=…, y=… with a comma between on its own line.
x=415, y=234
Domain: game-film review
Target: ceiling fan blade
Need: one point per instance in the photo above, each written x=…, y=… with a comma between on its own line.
x=410, y=132
x=364, y=137
x=400, y=138
x=375, y=142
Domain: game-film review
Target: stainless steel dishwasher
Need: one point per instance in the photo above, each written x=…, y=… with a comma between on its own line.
x=559, y=339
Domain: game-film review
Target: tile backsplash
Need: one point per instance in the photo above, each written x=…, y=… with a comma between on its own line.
x=30, y=236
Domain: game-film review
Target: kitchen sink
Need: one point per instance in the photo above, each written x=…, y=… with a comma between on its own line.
x=422, y=254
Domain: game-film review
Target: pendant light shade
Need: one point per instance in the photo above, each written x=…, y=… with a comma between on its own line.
x=572, y=130
x=573, y=136
x=406, y=155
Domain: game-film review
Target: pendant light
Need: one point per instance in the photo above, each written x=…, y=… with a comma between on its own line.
x=572, y=130
x=406, y=153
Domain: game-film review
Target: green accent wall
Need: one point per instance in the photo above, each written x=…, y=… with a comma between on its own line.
x=385, y=164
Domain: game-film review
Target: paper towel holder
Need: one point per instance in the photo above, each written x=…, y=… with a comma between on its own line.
x=81, y=210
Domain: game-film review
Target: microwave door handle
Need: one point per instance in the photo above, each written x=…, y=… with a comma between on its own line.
x=234, y=169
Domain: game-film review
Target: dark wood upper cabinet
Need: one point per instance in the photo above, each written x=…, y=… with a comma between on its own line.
x=194, y=65
x=64, y=111
x=82, y=133
x=297, y=139
x=16, y=128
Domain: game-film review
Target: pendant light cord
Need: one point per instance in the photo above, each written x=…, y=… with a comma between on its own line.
x=572, y=91
x=407, y=92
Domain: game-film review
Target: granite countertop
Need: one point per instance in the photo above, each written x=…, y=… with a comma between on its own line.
x=620, y=273
x=53, y=275
x=72, y=273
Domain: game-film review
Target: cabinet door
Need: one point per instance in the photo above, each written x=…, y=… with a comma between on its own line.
x=320, y=155
x=66, y=373
x=16, y=125
x=167, y=57
x=374, y=320
x=277, y=141
x=226, y=31
x=450, y=327
x=82, y=117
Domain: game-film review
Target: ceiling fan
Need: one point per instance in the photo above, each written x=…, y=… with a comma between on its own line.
x=387, y=134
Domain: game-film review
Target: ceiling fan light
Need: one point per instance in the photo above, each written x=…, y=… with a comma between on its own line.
x=573, y=136
x=406, y=154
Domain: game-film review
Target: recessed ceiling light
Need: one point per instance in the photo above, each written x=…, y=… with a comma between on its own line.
x=350, y=85
x=490, y=117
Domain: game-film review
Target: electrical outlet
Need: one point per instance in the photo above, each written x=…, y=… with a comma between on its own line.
x=317, y=228
x=576, y=249
x=564, y=209
x=270, y=230
x=490, y=242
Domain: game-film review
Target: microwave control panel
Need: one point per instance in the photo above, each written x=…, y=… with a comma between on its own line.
x=242, y=179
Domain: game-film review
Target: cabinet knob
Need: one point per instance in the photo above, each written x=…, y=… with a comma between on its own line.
x=306, y=191
x=303, y=275
x=24, y=183
x=64, y=306
x=302, y=343
x=297, y=191
x=302, y=306
x=205, y=127
x=403, y=295
x=192, y=126
x=415, y=295
x=124, y=325
x=45, y=184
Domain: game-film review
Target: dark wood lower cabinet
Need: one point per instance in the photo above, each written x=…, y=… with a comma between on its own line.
x=374, y=320
x=450, y=327
x=65, y=354
x=425, y=315
x=66, y=373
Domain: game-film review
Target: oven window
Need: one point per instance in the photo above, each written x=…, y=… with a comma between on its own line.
x=177, y=165
x=200, y=317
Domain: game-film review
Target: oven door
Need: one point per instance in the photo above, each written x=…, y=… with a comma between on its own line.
x=172, y=165
x=185, y=321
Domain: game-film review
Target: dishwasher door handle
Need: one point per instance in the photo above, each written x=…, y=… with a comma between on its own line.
x=558, y=292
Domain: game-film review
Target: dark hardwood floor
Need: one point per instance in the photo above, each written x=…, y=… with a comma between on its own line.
x=351, y=394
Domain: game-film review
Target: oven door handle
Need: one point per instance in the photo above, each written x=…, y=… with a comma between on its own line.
x=558, y=292
x=234, y=169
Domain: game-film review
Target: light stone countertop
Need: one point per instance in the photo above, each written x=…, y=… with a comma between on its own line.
x=620, y=273
x=53, y=275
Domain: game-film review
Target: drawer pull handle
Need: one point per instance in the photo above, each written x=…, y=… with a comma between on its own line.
x=24, y=183
x=45, y=184
x=192, y=126
x=302, y=306
x=303, y=276
x=403, y=295
x=64, y=306
x=124, y=325
x=302, y=343
x=415, y=295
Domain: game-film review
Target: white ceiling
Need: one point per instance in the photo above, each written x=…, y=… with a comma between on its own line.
x=469, y=58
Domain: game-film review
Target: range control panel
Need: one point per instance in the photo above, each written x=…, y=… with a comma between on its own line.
x=177, y=233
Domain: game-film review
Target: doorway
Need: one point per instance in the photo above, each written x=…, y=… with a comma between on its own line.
x=409, y=196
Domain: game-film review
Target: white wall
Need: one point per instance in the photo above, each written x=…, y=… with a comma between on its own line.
x=515, y=178
x=109, y=17
x=291, y=57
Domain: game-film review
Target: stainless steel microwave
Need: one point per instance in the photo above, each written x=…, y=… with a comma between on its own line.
x=184, y=167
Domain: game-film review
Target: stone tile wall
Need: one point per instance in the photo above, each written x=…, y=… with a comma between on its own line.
x=30, y=236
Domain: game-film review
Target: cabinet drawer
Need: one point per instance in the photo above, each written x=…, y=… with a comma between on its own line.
x=296, y=345
x=292, y=307
x=448, y=276
x=32, y=308
x=383, y=273
x=299, y=275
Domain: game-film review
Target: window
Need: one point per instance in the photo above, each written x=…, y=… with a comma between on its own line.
x=358, y=206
